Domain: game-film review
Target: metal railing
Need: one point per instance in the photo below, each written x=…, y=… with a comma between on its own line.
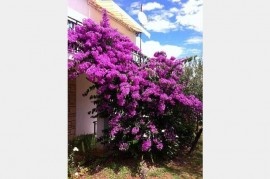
x=139, y=58
x=72, y=22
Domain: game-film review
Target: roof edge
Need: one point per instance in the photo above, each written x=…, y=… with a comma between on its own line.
x=138, y=28
x=132, y=20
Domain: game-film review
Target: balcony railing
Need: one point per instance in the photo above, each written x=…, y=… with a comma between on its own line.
x=72, y=22
x=137, y=58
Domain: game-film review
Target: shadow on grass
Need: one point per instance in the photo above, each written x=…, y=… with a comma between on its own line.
x=182, y=166
x=123, y=166
x=114, y=166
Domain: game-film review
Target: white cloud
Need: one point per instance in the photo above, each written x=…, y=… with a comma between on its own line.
x=194, y=40
x=150, y=47
x=192, y=6
x=136, y=6
x=161, y=22
x=166, y=14
x=160, y=25
x=151, y=6
x=194, y=51
x=158, y=21
x=174, y=9
x=178, y=1
x=191, y=15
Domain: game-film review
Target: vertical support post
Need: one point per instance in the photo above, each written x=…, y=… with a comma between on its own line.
x=140, y=48
x=140, y=40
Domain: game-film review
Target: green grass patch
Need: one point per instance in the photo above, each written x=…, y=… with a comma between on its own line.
x=158, y=172
x=181, y=167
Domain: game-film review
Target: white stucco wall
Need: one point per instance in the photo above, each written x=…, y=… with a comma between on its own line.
x=84, y=122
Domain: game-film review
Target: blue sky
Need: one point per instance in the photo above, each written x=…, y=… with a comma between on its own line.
x=175, y=25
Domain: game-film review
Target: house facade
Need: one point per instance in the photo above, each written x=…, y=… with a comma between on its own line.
x=79, y=121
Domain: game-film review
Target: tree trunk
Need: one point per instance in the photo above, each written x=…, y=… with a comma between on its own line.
x=194, y=143
x=197, y=126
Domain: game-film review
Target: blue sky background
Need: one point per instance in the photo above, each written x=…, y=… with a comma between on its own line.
x=175, y=25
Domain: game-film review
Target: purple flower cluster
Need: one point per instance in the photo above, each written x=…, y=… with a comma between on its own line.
x=133, y=96
x=135, y=130
x=123, y=146
x=159, y=144
x=146, y=145
x=153, y=128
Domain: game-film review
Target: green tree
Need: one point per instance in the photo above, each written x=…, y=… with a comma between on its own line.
x=193, y=75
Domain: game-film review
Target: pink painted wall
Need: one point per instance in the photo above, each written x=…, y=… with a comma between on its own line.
x=82, y=7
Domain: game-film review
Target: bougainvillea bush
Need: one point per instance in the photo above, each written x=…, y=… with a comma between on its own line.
x=144, y=104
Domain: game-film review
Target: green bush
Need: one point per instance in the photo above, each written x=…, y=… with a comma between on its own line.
x=84, y=142
x=85, y=145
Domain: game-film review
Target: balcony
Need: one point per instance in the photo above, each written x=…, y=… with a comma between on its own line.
x=137, y=58
x=72, y=22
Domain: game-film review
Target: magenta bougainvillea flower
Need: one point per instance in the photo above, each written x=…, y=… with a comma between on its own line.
x=134, y=98
x=123, y=146
x=146, y=145
x=159, y=144
x=135, y=130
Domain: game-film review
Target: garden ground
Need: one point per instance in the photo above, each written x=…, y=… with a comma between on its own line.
x=181, y=167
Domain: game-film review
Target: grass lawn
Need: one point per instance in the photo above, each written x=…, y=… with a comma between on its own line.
x=181, y=167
